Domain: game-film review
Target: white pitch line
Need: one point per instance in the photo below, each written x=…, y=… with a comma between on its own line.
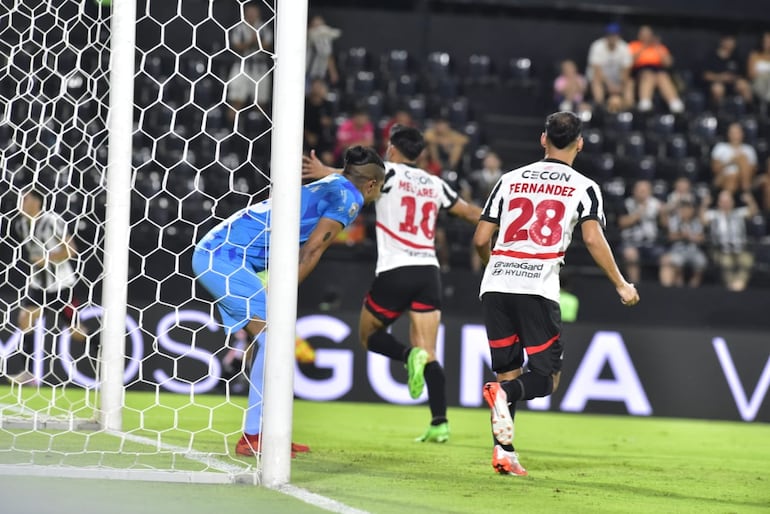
x=317, y=500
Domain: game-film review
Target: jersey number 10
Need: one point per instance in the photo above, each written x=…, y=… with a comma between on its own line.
x=427, y=221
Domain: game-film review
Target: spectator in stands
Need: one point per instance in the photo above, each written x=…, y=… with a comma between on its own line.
x=480, y=182
x=477, y=188
x=357, y=130
x=445, y=147
x=402, y=117
x=609, y=70
x=320, y=51
x=252, y=39
x=758, y=69
x=680, y=192
x=723, y=73
x=733, y=162
x=639, y=230
x=727, y=224
x=686, y=234
x=570, y=87
x=651, y=64
x=319, y=122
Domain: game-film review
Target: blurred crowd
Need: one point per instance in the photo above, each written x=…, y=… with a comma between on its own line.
x=697, y=224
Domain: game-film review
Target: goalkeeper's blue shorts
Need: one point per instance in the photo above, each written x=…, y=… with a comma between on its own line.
x=238, y=289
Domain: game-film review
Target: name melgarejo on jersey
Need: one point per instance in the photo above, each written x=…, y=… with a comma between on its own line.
x=421, y=192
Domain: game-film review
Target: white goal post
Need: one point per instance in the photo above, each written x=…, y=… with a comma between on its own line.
x=136, y=380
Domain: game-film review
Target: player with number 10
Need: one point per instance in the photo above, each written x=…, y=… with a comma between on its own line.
x=408, y=278
x=534, y=210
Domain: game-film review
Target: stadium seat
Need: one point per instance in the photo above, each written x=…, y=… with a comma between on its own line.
x=602, y=167
x=694, y=102
x=593, y=141
x=395, y=63
x=704, y=127
x=661, y=124
x=620, y=123
x=473, y=131
x=459, y=112
x=750, y=129
x=676, y=147
x=733, y=107
x=403, y=85
x=439, y=64
x=520, y=69
x=206, y=94
x=361, y=84
x=417, y=108
x=479, y=70
x=446, y=87
x=647, y=168
x=660, y=189
x=375, y=105
x=354, y=60
x=632, y=145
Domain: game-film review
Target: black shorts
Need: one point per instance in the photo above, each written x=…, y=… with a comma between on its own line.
x=417, y=288
x=62, y=301
x=519, y=322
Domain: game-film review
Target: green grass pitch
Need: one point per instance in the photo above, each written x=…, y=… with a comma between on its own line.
x=364, y=456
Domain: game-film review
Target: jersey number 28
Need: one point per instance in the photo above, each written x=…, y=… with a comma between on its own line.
x=545, y=230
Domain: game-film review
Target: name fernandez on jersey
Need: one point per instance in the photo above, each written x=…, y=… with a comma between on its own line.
x=537, y=208
x=535, y=188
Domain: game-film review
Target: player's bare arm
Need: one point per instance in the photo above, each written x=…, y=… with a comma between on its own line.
x=313, y=168
x=466, y=211
x=482, y=239
x=310, y=253
x=593, y=237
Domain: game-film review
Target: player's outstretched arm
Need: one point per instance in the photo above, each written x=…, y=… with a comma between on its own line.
x=313, y=168
x=593, y=237
x=466, y=211
x=322, y=236
x=482, y=239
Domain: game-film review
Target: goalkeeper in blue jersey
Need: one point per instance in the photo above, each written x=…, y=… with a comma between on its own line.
x=231, y=260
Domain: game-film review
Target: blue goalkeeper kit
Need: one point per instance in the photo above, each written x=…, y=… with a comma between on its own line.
x=231, y=259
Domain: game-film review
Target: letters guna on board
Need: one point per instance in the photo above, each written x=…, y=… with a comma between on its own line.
x=175, y=334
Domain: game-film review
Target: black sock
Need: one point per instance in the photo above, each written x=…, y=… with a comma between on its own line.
x=528, y=386
x=385, y=344
x=512, y=389
x=436, y=383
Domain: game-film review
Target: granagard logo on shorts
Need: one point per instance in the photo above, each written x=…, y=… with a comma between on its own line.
x=517, y=269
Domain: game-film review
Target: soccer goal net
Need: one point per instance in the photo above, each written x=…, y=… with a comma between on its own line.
x=201, y=74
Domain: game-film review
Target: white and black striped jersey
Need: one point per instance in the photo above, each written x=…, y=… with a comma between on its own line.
x=38, y=237
x=406, y=216
x=537, y=207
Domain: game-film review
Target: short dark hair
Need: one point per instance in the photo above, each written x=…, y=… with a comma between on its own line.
x=357, y=159
x=563, y=128
x=407, y=140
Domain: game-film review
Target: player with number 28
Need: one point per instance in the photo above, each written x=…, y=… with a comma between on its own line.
x=533, y=210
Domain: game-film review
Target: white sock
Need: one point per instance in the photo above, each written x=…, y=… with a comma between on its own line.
x=645, y=105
